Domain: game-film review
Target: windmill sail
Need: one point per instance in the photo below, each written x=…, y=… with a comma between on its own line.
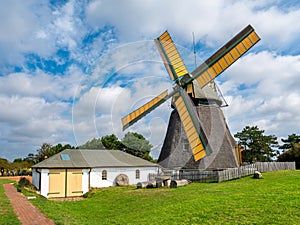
x=204, y=74
x=170, y=55
x=134, y=116
x=190, y=121
x=225, y=56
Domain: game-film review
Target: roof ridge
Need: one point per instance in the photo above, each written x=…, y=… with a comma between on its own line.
x=92, y=158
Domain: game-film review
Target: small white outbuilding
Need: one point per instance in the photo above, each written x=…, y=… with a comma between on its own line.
x=73, y=172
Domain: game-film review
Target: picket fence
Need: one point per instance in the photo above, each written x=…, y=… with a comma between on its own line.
x=225, y=174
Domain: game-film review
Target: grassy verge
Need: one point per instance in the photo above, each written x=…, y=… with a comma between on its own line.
x=271, y=200
x=7, y=215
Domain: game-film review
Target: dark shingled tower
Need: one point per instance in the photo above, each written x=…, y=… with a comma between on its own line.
x=176, y=152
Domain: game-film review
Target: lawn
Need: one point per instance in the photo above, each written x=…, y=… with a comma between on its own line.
x=275, y=199
x=7, y=215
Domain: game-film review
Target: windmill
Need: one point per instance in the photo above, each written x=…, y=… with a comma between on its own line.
x=190, y=91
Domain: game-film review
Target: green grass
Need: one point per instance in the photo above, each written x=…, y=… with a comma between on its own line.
x=275, y=199
x=7, y=215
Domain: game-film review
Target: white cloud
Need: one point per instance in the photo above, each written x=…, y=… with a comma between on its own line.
x=103, y=108
x=124, y=78
x=37, y=27
x=262, y=87
x=205, y=18
x=31, y=118
x=36, y=109
x=20, y=30
x=274, y=96
x=110, y=100
x=41, y=84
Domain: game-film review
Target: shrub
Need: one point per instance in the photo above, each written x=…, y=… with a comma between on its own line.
x=89, y=194
x=25, y=183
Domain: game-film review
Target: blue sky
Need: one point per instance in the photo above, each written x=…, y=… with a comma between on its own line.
x=69, y=70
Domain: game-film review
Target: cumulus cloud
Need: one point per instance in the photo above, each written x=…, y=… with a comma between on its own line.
x=212, y=21
x=272, y=99
x=40, y=84
x=31, y=120
x=103, y=108
x=20, y=30
x=35, y=108
x=101, y=55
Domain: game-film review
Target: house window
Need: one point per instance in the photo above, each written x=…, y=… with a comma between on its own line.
x=104, y=175
x=137, y=174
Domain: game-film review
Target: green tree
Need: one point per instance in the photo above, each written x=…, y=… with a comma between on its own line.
x=112, y=142
x=44, y=152
x=132, y=143
x=290, y=141
x=257, y=146
x=47, y=150
x=30, y=158
x=18, y=160
x=19, y=165
x=291, y=155
x=95, y=143
x=59, y=147
x=292, y=145
x=136, y=144
x=4, y=165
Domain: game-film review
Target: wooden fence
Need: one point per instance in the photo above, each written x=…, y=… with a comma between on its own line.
x=226, y=174
x=272, y=166
x=235, y=173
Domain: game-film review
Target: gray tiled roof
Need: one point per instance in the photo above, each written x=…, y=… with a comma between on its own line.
x=86, y=158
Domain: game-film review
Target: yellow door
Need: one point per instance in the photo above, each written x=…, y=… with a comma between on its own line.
x=56, y=183
x=74, y=182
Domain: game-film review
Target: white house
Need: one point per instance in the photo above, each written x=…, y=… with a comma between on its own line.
x=73, y=172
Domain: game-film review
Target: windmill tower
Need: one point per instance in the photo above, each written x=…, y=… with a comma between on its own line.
x=197, y=135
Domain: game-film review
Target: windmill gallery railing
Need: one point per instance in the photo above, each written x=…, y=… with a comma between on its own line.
x=226, y=174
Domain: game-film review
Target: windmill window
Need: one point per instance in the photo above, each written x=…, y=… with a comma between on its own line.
x=137, y=174
x=185, y=145
x=104, y=175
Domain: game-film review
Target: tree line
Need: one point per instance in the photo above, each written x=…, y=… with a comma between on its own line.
x=260, y=147
x=255, y=144
x=132, y=143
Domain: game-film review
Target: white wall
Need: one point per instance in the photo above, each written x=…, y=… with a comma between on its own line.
x=44, y=182
x=44, y=177
x=85, y=180
x=36, y=178
x=112, y=173
x=94, y=176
